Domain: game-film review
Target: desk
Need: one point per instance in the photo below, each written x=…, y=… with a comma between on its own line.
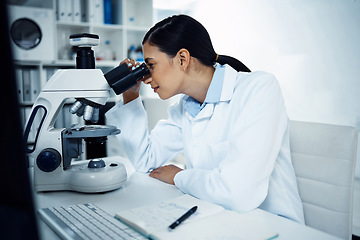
x=140, y=189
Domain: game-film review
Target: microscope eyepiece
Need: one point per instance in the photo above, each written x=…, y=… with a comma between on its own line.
x=140, y=71
x=122, y=78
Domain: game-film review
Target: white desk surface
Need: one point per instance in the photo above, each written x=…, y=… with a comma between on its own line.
x=140, y=189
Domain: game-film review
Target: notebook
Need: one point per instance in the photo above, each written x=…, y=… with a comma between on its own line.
x=210, y=221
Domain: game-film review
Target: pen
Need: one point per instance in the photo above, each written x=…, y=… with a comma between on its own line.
x=183, y=218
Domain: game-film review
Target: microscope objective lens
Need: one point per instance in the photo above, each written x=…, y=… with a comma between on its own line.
x=80, y=111
x=75, y=107
x=88, y=113
x=95, y=116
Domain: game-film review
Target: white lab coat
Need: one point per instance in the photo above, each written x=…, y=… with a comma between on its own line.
x=237, y=150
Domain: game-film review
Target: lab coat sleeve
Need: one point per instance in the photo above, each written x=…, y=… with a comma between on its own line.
x=241, y=180
x=145, y=151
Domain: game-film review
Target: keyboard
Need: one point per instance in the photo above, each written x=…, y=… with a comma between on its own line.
x=86, y=221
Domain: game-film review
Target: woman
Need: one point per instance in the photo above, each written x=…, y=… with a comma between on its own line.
x=230, y=124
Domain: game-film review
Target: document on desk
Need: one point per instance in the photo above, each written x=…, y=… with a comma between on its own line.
x=210, y=221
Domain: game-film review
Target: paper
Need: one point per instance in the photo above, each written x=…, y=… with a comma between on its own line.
x=223, y=225
x=210, y=221
x=159, y=216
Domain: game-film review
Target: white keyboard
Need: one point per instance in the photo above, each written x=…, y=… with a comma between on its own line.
x=86, y=221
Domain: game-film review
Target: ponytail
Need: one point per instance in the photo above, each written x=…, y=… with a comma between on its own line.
x=233, y=62
x=182, y=31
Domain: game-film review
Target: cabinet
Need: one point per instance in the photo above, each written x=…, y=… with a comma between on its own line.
x=129, y=21
x=120, y=24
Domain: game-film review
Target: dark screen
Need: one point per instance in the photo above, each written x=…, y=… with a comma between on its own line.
x=17, y=213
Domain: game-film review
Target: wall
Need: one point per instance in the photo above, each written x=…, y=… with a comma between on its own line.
x=313, y=47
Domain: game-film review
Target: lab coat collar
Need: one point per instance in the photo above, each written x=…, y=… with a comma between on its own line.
x=228, y=83
x=226, y=93
x=206, y=112
x=214, y=92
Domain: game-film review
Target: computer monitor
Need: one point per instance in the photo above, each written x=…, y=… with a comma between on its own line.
x=17, y=212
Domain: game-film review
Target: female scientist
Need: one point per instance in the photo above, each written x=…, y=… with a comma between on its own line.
x=230, y=124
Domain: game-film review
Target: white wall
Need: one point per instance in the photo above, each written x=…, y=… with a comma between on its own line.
x=313, y=48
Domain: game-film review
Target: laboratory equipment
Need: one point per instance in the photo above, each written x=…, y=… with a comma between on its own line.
x=56, y=152
x=31, y=33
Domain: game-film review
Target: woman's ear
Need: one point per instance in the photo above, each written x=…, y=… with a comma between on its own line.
x=184, y=58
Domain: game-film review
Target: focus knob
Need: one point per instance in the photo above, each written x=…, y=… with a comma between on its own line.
x=48, y=160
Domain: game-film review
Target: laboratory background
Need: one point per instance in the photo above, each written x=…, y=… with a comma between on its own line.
x=312, y=47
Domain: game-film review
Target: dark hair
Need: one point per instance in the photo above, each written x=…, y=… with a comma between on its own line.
x=182, y=31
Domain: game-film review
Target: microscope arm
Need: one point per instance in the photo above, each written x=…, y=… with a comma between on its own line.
x=66, y=84
x=88, y=86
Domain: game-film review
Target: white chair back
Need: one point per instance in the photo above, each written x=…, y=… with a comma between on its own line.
x=324, y=157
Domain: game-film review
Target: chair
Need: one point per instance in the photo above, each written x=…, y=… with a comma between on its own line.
x=323, y=157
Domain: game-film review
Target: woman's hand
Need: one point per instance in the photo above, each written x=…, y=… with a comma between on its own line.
x=133, y=92
x=166, y=173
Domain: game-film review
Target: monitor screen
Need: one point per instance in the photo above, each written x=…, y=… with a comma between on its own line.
x=17, y=213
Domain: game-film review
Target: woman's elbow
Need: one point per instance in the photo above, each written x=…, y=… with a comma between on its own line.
x=246, y=199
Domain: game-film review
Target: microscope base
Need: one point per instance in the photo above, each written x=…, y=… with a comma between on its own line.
x=80, y=178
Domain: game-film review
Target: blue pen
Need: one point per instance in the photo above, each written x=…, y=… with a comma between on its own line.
x=183, y=218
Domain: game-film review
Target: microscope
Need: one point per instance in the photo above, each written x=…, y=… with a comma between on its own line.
x=57, y=151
